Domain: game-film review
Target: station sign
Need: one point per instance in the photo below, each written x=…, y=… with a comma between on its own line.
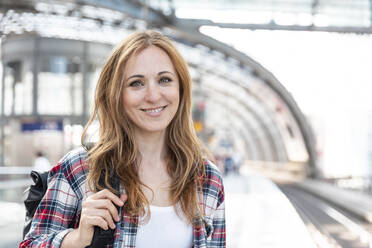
x=42, y=125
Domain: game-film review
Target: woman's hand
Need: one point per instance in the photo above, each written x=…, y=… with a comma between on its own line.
x=97, y=210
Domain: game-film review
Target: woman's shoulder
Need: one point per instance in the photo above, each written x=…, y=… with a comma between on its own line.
x=72, y=167
x=72, y=161
x=212, y=176
x=212, y=171
x=212, y=188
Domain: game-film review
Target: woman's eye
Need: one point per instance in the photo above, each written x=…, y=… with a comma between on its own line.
x=136, y=84
x=165, y=80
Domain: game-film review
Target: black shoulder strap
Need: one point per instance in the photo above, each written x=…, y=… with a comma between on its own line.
x=34, y=195
x=103, y=237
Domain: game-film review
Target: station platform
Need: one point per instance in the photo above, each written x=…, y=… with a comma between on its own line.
x=11, y=224
x=258, y=215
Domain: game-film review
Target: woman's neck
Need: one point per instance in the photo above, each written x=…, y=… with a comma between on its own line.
x=153, y=167
x=152, y=146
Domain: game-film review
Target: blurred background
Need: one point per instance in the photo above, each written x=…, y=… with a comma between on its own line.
x=281, y=96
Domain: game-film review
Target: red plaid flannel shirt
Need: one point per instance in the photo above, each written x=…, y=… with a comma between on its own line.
x=59, y=210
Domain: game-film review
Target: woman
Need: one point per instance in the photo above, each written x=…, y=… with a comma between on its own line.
x=170, y=195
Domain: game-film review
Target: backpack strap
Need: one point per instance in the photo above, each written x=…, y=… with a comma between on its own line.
x=103, y=237
x=34, y=195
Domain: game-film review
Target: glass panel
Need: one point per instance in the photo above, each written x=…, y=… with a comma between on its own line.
x=7, y=144
x=12, y=79
x=23, y=92
x=28, y=91
x=76, y=86
x=8, y=90
x=60, y=86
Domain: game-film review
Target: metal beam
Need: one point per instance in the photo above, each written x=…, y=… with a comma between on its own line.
x=134, y=9
x=85, y=86
x=2, y=121
x=21, y=5
x=35, y=80
x=197, y=23
x=370, y=12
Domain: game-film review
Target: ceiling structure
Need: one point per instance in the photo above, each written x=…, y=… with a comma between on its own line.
x=345, y=16
x=244, y=100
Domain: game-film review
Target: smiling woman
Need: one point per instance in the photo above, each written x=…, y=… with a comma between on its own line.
x=170, y=194
x=151, y=91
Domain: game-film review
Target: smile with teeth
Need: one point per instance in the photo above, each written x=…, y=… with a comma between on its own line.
x=153, y=110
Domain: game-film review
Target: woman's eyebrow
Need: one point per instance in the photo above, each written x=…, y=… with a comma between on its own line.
x=136, y=75
x=142, y=76
x=162, y=72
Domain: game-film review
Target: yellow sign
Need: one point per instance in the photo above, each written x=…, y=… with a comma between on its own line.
x=198, y=126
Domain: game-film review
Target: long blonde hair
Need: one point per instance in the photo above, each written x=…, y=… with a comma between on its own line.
x=116, y=148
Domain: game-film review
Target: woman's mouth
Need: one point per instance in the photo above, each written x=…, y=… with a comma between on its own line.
x=154, y=110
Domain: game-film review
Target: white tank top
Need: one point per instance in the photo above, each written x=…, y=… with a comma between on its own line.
x=164, y=229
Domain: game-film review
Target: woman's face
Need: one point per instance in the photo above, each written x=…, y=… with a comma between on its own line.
x=151, y=90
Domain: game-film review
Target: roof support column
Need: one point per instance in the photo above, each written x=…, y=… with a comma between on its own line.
x=35, y=77
x=2, y=121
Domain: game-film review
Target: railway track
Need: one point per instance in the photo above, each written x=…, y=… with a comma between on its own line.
x=329, y=226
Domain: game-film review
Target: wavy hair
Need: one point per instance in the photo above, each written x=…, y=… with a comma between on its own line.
x=116, y=149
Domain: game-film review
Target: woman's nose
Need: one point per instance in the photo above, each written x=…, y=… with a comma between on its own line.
x=153, y=93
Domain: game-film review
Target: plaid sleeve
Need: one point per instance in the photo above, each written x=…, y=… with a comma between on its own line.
x=218, y=239
x=55, y=215
x=215, y=206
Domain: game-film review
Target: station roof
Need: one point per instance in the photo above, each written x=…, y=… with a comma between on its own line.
x=255, y=104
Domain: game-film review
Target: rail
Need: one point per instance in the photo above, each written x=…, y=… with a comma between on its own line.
x=7, y=180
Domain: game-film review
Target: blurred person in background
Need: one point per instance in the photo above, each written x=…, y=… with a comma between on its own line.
x=237, y=161
x=229, y=164
x=171, y=195
x=41, y=163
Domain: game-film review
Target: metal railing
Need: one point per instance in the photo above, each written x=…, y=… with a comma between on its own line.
x=14, y=177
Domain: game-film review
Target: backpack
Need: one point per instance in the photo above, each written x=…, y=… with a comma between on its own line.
x=34, y=195
x=37, y=191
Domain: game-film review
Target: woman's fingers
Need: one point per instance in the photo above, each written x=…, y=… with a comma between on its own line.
x=97, y=221
x=107, y=194
x=103, y=204
x=123, y=197
x=103, y=214
x=105, y=199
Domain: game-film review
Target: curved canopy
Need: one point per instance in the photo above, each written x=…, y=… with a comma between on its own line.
x=244, y=103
